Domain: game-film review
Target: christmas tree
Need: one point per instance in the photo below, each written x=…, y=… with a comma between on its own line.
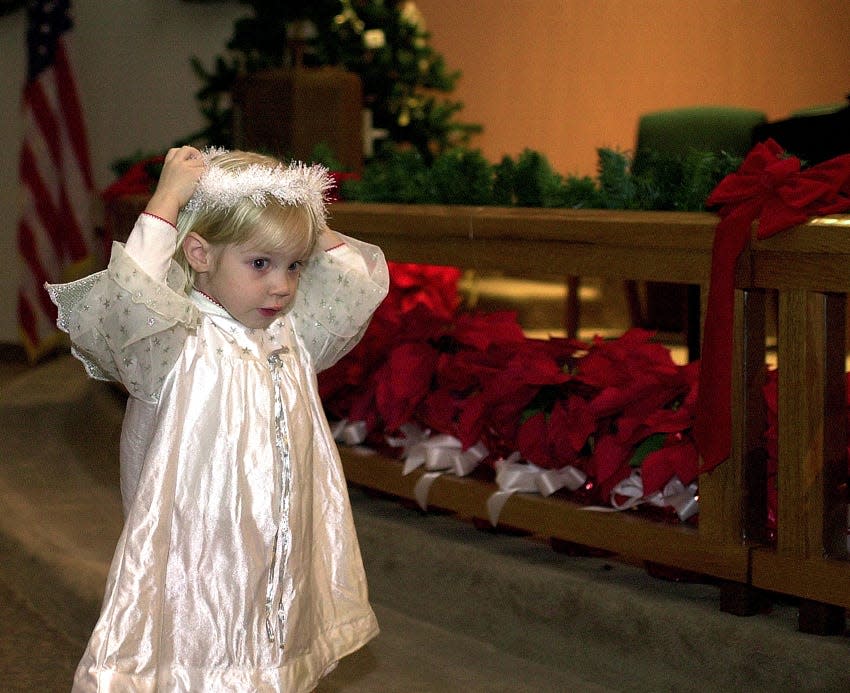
x=385, y=42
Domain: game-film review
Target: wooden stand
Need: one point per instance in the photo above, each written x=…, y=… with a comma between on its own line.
x=287, y=112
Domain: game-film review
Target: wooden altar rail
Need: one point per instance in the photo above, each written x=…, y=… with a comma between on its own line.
x=808, y=267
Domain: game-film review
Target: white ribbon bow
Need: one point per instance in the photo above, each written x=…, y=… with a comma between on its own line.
x=514, y=477
x=683, y=499
x=349, y=433
x=438, y=454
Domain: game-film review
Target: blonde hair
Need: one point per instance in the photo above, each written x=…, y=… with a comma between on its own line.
x=267, y=223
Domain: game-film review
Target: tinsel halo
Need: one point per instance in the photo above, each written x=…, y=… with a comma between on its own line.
x=294, y=184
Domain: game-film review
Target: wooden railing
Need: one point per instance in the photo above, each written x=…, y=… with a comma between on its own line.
x=806, y=268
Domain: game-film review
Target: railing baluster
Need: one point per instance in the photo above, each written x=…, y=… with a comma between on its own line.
x=811, y=435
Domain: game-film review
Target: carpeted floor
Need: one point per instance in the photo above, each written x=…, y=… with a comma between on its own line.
x=34, y=655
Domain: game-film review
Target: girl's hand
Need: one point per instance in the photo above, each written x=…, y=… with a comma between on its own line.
x=181, y=170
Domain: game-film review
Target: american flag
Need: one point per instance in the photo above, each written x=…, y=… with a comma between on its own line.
x=55, y=234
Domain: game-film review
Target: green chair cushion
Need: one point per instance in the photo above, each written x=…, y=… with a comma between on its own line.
x=702, y=128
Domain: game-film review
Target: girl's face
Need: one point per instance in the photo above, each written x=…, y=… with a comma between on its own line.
x=252, y=284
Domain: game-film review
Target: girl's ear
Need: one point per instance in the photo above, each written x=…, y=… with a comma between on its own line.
x=197, y=252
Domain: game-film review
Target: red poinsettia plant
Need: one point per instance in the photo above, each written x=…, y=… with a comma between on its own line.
x=605, y=407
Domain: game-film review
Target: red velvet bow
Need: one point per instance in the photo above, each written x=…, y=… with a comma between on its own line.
x=772, y=188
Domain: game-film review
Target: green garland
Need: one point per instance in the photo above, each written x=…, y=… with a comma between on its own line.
x=464, y=176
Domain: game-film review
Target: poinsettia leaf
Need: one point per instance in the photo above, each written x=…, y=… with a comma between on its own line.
x=405, y=382
x=533, y=442
x=650, y=444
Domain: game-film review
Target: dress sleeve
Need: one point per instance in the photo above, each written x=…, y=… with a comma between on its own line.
x=125, y=324
x=339, y=290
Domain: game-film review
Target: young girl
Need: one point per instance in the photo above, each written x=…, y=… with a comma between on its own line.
x=238, y=567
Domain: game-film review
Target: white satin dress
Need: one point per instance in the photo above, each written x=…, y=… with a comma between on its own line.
x=238, y=567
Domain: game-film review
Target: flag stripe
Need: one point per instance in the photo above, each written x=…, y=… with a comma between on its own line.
x=27, y=321
x=76, y=246
x=27, y=247
x=73, y=114
x=37, y=105
x=41, y=200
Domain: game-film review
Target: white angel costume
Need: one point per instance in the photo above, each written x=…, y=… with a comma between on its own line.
x=238, y=568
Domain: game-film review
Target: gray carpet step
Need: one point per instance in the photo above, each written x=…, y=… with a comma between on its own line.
x=598, y=619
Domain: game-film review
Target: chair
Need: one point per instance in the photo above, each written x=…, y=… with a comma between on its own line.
x=677, y=131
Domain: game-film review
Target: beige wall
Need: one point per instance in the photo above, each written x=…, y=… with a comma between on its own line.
x=567, y=76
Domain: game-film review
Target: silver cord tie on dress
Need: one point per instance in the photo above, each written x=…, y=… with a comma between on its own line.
x=275, y=616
